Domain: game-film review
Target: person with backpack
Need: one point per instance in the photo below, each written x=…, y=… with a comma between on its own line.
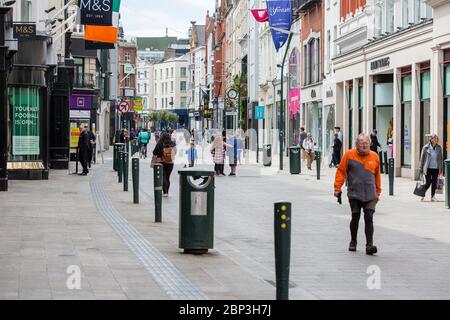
x=144, y=139
x=165, y=154
x=218, y=150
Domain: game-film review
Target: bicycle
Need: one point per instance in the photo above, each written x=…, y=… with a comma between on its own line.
x=143, y=151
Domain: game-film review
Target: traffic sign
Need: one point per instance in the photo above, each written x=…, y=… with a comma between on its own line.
x=124, y=107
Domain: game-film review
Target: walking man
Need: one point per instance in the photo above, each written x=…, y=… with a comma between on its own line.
x=309, y=146
x=360, y=167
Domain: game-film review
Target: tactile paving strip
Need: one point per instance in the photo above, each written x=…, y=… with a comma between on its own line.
x=175, y=283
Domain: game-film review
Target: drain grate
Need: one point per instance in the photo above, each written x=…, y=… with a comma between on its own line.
x=176, y=284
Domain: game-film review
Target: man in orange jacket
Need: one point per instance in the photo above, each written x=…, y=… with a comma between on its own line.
x=360, y=167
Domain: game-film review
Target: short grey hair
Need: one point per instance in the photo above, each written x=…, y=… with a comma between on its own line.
x=362, y=136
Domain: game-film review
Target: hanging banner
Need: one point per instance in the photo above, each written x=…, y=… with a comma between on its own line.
x=101, y=34
x=260, y=15
x=294, y=101
x=96, y=12
x=280, y=17
x=26, y=125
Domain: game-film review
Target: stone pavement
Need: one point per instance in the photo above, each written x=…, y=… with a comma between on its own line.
x=89, y=222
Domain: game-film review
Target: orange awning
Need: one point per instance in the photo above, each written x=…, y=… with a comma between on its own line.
x=101, y=33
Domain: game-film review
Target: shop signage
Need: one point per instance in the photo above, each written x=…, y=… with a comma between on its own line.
x=80, y=114
x=124, y=107
x=294, y=101
x=24, y=30
x=96, y=12
x=377, y=64
x=259, y=112
x=81, y=102
x=129, y=93
x=280, y=17
x=138, y=104
x=128, y=68
x=26, y=133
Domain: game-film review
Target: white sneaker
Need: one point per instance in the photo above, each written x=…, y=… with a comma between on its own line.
x=433, y=199
x=165, y=195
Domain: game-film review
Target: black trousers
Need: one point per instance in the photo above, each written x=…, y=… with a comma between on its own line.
x=431, y=180
x=219, y=168
x=336, y=158
x=167, y=171
x=83, y=156
x=369, y=210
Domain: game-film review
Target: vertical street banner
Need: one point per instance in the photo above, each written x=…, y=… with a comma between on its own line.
x=280, y=17
x=26, y=124
x=294, y=101
x=96, y=12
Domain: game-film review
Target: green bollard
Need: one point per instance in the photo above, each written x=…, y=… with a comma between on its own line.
x=135, y=170
x=386, y=162
x=120, y=164
x=125, y=171
x=158, y=188
x=318, y=163
x=282, y=224
x=128, y=146
x=391, y=169
x=447, y=183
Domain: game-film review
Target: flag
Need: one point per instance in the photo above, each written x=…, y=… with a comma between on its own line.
x=260, y=15
x=104, y=35
x=280, y=17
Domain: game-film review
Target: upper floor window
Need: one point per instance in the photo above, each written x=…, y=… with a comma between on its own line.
x=312, y=61
x=183, y=72
x=127, y=57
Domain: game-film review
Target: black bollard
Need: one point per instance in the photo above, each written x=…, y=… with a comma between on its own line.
x=135, y=169
x=380, y=155
x=120, y=164
x=282, y=217
x=125, y=171
x=391, y=169
x=115, y=157
x=447, y=183
x=158, y=188
x=318, y=163
x=386, y=163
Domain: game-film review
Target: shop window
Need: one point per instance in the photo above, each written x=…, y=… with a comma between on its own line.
x=406, y=120
x=360, y=108
x=25, y=105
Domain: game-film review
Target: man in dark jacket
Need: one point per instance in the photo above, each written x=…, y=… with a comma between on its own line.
x=375, y=144
x=83, y=149
x=92, y=139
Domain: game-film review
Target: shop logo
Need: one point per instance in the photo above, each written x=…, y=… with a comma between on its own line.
x=377, y=64
x=96, y=12
x=22, y=30
x=80, y=102
x=95, y=5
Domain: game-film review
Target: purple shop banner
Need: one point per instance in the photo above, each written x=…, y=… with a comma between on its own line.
x=81, y=102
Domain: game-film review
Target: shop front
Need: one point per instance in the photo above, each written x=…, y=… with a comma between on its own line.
x=312, y=103
x=447, y=103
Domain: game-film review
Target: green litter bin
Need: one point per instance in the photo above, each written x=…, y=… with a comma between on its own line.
x=196, y=228
x=294, y=160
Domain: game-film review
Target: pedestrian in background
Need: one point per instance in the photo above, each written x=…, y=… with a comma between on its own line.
x=303, y=135
x=337, y=149
x=218, y=150
x=232, y=153
x=91, y=148
x=360, y=169
x=164, y=152
x=309, y=146
x=192, y=154
x=432, y=164
x=83, y=149
x=375, y=144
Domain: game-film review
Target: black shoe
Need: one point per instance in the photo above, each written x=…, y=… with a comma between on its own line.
x=352, y=246
x=371, y=249
x=232, y=174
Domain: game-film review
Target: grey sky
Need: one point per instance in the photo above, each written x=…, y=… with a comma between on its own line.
x=152, y=17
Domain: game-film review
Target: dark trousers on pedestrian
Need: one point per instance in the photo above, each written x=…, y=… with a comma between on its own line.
x=219, y=168
x=336, y=158
x=369, y=210
x=432, y=180
x=167, y=171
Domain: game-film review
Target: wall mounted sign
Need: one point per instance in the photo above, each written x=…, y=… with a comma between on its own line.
x=81, y=102
x=24, y=30
x=381, y=63
x=96, y=12
x=259, y=113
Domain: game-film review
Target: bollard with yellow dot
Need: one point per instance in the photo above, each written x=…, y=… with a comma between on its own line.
x=282, y=216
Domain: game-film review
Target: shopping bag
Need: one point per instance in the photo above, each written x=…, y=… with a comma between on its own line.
x=440, y=185
x=420, y=189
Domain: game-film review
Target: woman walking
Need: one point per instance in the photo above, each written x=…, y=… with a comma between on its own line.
x=165, y=154
x=432, y=164
x=218, y=152
x=309, y=145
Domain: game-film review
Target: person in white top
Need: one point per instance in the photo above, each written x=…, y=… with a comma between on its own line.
x=309, y=145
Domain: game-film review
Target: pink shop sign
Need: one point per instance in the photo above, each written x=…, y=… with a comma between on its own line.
x=294, y=101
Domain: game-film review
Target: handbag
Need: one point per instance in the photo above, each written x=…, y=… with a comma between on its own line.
x=440, y=185
x=420, y=189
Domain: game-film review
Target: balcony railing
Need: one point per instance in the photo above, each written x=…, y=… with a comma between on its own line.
x=85, y=80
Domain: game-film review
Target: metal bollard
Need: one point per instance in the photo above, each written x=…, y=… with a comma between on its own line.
x=447, y=183
x=125, y=171
x=380, y=155
x=135, y=170
x=119, y=172
x=391, y=169
x=128, y=146
x=386, y=163
x=158, y=187
x=115, y=157
x=282, y=217
x=318, y=163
